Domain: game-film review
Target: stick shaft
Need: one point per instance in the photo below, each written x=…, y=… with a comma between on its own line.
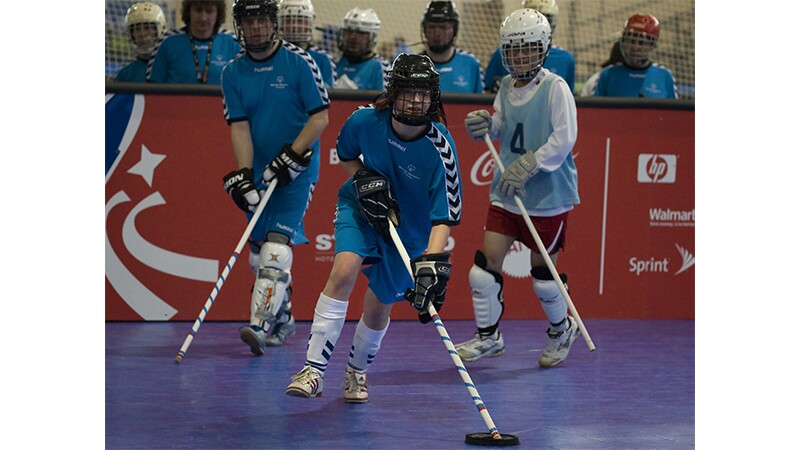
x=473, y=392
x=227, y=270
x=542, y=249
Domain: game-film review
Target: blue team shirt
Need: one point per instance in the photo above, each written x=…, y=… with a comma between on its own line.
x=276, y=97
x=423, y=173
x=559, y=61
x=462, y=73
x=619, y=80
x=173, y=60
x=369, y=74
x=326, y=65
x=133, y=72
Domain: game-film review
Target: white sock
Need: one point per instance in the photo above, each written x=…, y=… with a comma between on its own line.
x=366, y=344
x=329, y=316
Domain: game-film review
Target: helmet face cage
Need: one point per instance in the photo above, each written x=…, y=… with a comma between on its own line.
x=525, y=43
x=255, y=8
x=440, y=12
x=146, y=21
x=547, y=7
x=413, y=83
x=639, y=39
x=296, y=20
x=360, y=20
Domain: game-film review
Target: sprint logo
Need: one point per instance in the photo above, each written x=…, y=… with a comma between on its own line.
x=656, y=168
x=660, y=265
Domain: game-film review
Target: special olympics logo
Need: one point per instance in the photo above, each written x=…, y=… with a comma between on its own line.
x=482, y=171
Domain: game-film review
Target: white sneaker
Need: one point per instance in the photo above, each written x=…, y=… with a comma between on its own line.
x=306, y=383
x=280, y=332
x=560, y=342
x=255, y=337
x=355, y=386
x=478, y=347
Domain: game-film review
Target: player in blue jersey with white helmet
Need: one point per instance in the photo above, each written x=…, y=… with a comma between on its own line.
x=535, y=119
x=277, y=107
x=146, y=24
x=559, y=61
x=359, y=66
x=637, y=75
x=296, y=25
x=460, y=71
x=196, y=53
x=403, y=164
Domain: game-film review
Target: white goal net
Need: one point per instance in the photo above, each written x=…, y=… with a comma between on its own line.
x=585, y=28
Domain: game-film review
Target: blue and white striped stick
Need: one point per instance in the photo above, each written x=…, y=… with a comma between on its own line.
x=226, y=271
x=473, y=392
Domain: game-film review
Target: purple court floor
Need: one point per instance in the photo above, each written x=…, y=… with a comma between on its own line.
x=636, y=391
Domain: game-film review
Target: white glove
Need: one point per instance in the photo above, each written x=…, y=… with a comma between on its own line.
x=513, y=180
x=478, y=123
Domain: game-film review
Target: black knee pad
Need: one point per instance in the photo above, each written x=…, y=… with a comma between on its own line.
x=543, y=273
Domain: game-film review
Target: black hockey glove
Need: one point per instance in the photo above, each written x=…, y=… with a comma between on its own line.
x=239, y=185
x=287, y=166
x=431, y=273
x=375, y=197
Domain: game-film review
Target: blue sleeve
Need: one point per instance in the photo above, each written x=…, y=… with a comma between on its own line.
x=158, y=64
x=232, y=103
x=347, y=145
x=313, y=94
x=445, y=188
x=494, y=70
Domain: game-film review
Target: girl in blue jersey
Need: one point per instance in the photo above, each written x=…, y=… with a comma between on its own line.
x=404, y=168
x=535, y=119
x=277, y=107
x=197, y=52
x=637, y=75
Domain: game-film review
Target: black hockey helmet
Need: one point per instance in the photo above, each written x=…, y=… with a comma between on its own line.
x=439, y=11
x=255, y=8
x=414, y=73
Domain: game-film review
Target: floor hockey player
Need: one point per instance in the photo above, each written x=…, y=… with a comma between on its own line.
x=535, y=120
x=403, y=165
x=275, y=135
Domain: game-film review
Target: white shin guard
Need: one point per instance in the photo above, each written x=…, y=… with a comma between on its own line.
x=366, y=344
x=553, y=303
x=329, y=316
x=487, y=297
x=270, y=290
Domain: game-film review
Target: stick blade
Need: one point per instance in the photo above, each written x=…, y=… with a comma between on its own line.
x=487, y=440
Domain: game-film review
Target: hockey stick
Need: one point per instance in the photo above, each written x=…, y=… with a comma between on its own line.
x=226, y=271
x=542, y=249
x=493, y=438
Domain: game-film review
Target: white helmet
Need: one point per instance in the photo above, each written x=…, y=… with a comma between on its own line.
x=525, y=42
x=296, y=20
x=547, y=7
x=365, y=21
x=145, y=13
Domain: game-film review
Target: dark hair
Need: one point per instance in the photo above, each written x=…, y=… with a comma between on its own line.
x=221, y=11
x=615, y=57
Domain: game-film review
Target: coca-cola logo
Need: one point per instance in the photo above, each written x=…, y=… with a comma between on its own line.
x=482, y=171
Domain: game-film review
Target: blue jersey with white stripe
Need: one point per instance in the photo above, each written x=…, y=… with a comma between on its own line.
x=462, y=73
x=369, y=74
x=559, y=61
x=423, y=173
x=326, y=65
x=619, y=80
x=173, y=58
x=133, y=72
x=276, y=96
